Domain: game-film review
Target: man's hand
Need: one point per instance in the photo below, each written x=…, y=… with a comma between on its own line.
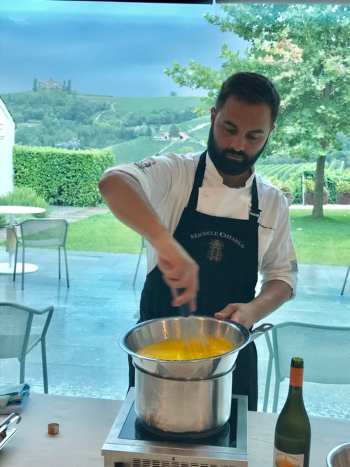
x=271, y=296
x=242, y=313
x=180, y=271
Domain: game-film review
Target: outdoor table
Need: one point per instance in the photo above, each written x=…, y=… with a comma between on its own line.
x=85, y=423
x=12, y=212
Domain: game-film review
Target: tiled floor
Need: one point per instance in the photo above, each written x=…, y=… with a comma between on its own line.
x=84, y=357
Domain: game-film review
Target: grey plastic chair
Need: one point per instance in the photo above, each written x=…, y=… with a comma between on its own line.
x=138, y=261
x=21, y=329
x=345, y=280
x=47, y=233
x=325, y=350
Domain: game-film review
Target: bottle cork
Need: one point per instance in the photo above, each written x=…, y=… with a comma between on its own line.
x=53, y=429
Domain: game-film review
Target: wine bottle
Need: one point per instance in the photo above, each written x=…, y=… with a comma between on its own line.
x=293, y=432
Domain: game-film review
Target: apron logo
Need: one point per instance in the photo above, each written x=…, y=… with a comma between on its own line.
x=223, y=235
x=215, y=252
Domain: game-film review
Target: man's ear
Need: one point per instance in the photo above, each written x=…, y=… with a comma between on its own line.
x=212, y=115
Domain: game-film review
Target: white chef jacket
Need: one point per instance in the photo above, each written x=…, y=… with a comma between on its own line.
x=167, y=182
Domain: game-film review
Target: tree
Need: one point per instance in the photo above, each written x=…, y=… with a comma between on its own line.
x=305, y=50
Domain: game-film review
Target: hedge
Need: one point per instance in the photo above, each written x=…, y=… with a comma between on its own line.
x=61, y=176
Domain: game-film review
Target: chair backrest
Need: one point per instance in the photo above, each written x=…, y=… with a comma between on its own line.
x=15, y=325
x=44, y=232
x=325, y=350
x=15, y=329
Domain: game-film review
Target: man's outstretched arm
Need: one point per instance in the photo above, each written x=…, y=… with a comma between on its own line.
x=127, y=200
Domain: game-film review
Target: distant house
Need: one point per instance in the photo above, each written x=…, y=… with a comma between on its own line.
x=74, y=143
x=7, y=141
x=183, y=135
x=163, y=136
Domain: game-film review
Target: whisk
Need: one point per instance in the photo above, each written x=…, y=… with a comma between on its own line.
x=195, y=341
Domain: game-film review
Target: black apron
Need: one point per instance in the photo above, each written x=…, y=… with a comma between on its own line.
x=226, y=251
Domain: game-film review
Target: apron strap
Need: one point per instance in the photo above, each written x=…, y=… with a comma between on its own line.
x=254, y=212
x=198, y=181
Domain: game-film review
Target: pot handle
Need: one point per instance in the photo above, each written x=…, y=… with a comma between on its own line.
x=259, y=331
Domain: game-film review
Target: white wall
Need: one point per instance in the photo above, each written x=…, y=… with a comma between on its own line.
x=7, y=140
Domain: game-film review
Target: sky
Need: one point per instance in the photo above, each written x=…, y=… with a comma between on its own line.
x=117, y=49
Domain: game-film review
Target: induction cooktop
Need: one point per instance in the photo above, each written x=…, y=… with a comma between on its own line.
x=131, y=443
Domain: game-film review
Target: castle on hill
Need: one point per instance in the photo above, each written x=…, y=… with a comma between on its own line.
x=51, y=85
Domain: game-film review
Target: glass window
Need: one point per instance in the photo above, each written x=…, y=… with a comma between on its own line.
x=91, y=85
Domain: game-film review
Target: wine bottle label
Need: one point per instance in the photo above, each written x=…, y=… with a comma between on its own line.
x=283, y=459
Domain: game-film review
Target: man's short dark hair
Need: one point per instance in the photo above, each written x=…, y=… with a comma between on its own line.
x=251, y=88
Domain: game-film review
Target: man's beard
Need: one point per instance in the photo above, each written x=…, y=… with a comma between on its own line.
x=229, y=166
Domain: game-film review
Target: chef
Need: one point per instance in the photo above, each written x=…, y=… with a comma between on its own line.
x=211, y=223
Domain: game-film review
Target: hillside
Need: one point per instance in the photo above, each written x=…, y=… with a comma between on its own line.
x=192, y=136
x=135, y=128
x=70, y=120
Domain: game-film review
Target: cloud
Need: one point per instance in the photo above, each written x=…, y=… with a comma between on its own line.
x=103, y=53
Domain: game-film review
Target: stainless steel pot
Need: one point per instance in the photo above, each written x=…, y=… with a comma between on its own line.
x=339, y=456
x=185, y=395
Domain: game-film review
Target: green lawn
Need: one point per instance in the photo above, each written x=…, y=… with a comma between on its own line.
x=325, y=241
x=102, y=233
x=322, y=241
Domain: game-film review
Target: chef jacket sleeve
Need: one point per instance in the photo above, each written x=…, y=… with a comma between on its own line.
x=279, y=261
x=155, y=175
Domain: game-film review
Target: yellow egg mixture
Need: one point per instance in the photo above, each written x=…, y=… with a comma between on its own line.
x=187, y=349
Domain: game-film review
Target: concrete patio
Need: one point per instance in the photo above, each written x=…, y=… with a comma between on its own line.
x=84, y=357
